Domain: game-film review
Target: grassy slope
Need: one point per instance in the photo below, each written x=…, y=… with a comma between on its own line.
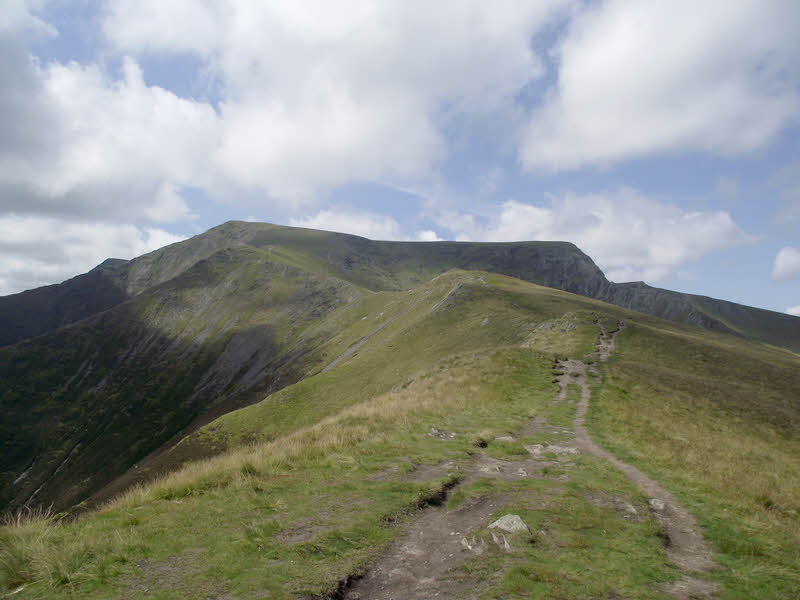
x=315, y=481
x=715, y=420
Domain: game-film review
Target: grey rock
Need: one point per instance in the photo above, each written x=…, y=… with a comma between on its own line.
x=510, y=524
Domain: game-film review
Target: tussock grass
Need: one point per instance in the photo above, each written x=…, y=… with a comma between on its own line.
x=23, y=542
x=32, y=548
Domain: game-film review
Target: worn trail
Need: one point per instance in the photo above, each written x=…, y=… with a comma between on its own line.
x=685, y=544
x=423, y=562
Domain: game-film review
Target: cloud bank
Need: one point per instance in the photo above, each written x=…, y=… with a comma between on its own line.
x=643, y=78
x=364, y=224
x=629, y=235
x=38, y=251
x=786, y=265
x=317, y=94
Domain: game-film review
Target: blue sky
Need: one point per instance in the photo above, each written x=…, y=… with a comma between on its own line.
x=660, y=137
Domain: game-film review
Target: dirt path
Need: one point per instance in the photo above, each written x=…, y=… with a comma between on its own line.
x=685, y=545
x=354, y=347
x=422, y=563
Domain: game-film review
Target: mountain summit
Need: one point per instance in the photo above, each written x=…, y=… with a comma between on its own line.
x=380, y=266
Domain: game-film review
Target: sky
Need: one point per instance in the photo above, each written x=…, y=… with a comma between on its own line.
x=661, y=137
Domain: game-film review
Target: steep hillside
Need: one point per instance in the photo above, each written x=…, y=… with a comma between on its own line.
x=382, y=266
x=428, y=415
x=28, y=314
x=83, y=403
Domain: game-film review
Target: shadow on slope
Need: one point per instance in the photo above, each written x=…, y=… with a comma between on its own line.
x=86, y=402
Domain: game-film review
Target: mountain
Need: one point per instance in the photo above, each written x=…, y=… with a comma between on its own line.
x=112, y=366
x=386, y=436
x=381, y=266
x=34, y=312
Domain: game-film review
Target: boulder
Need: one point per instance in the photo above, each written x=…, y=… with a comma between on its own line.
x=510, y=524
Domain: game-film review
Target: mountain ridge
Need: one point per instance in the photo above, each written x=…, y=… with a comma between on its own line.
x=369, y=263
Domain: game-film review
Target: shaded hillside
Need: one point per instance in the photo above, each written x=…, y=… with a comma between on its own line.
x=779, y=329
x=34, y=312
x=83, y=403
x=380, y=266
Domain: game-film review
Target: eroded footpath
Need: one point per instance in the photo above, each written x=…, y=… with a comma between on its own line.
x=685, y=545
x=428, y=560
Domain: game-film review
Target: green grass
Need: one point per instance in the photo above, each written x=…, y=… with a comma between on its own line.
x=312, y=507
x=419, y=337
x=319, y=477
x=583, y=542
x=297, y=515
x=716, y=421
x=582, y=546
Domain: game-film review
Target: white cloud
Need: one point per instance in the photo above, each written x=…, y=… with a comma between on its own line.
x=17, y=17
x=317, y=94
x=638, y=78
x=90, y=165
x=428, y=235
x=787, y=264
x=113, y=149
x=629, y=235
x=365, y=224
x=36, y=250
x=794, y=310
